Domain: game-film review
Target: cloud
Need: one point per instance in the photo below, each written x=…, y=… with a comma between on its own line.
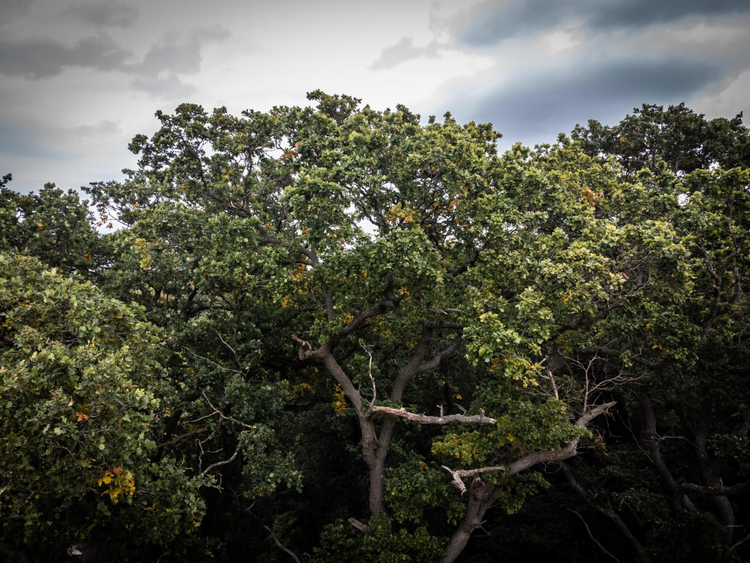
x=103, y=128
x=39, y=58
x=13, y=9
x=180, y=54
x=104, y=14
x=404, y=50
x=534, y=107
x=157, y=74
x=175, y=55
x=495, y=21
x=169, y=86
x=29, y=140
x=641, y=13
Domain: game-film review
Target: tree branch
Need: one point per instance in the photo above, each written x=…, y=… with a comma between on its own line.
x=284, y=549
x=225, y=462
x=741, y=489
x=567, y=451
x=439, y=420
x=435, y=361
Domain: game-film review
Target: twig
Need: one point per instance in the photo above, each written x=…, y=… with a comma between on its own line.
x=743, y=540
x=226, y=461
x=289, y=551
x=592, y=536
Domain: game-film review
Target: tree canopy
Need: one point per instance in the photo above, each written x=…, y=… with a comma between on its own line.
x=361, y=336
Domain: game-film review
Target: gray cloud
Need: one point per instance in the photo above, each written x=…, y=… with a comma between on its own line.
x=103, y=128
x=163, y=87
x=495, y=21
x=157, y=74
x=639, y=13
x=174, y=55
x=534, y=108
x=402, y=51
x=104, y=14
x=39, y=58
x=12, y=9
x=180, y=54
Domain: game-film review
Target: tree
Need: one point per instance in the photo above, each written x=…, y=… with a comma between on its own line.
x=375, y=334
x=684, y=140
x=389, y=246
x=54, y=226
x=82, y=389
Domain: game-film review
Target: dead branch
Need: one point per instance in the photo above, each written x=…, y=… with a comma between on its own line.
x=440, y=420
x=359, y=525
x=457, y=475
x=554, y=455
x=226, y=461
x=592, y=535
x=368, y=349
x=284, y=549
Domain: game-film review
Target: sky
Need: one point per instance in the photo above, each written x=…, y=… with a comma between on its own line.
x=80, y=78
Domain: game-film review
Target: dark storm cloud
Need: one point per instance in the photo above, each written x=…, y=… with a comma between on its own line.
x=39, y=58
x=104, y=14
x=403, y=50
x=535, y=106
x=495, y=21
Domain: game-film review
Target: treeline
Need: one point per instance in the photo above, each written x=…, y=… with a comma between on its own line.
x=337, y=334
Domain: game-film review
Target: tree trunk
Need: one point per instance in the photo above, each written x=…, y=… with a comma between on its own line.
x=710, y=473
x=482, y=495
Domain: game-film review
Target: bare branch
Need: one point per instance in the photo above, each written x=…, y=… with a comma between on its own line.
x=444, y=311
x=435, y=362
x=284, y=549
x=458, y=482
x=593, y=413
x=554, y=455
x=222, y=416
x=439, y=420
x=592, y=536
x=741, y=489
x=606, y=511
x=743, y=540
x=226, y=461
x=302, y=344
x=369, y=371
x=359, y=525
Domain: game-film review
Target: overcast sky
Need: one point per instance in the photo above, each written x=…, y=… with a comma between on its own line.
x=79, y=78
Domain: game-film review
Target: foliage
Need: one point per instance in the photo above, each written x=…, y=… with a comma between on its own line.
x=314, y=291
x=82, y=389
